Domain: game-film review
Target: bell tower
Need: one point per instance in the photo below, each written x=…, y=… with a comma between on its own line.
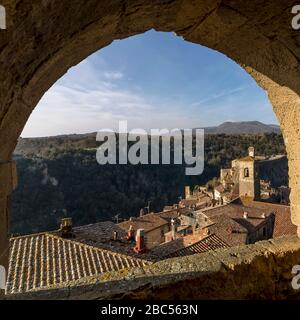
x=249, y=180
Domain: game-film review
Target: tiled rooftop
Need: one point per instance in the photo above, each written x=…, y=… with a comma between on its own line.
x=170, y=214
x=229, y=230
x=188, y=245
x=220, y=188
x=100, y=235
x=45, y=260
x=147, y=222
x=283, y=223
x=236, y=211
x=230, y=225
x=212, y=242
x=97, y=234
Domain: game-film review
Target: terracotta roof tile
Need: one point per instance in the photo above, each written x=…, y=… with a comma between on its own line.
x=147, y=222
x=188, y=245
x=44, y=260
x=212, y=242
x=283, y=223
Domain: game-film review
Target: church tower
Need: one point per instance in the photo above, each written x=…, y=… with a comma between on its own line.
x=249, y=180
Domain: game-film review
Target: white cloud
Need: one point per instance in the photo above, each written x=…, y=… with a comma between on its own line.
x=89, y=98
x=223, y=94
x=65, y=110
x=113, y=75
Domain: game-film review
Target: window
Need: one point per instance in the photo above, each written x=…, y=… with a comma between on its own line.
x=264, y=231
x=246, y=172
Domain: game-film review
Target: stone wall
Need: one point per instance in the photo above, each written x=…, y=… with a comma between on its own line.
x=44, y=38
x=259, y=271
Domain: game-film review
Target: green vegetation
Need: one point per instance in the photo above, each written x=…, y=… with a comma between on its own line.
x=60, y=177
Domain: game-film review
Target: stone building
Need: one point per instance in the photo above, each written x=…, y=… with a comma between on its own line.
x=248, y=175
x=154, y=226
x=237, y=224
x=243, y=179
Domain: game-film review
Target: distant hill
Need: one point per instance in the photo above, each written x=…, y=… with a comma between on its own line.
x=40, y=146
x=244, y=127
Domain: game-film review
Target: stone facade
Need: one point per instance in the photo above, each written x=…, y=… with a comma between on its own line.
x=248, y=177
x=245, y=177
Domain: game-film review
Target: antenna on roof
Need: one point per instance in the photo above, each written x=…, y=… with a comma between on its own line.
x=116, y=217
x=148, y=207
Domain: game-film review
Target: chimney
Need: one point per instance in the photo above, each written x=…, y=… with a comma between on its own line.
x=187, y=192
x=115, y=235
x=173, y=229
x=141, y=212
x=130, y=233
x=251, y=152
x=206, y=232
x=140, y=241
x=66, y=228
x=229, y=230
x=245, y=215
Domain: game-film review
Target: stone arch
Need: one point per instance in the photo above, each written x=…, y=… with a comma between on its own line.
x=45, y=38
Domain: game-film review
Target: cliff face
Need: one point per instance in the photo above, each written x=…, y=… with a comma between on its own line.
x=275, y=171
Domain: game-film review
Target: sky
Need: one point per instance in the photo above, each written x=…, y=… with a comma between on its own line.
x=154, y=80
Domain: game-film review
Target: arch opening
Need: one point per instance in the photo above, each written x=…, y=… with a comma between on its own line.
x=229, y=28
x=147, y=81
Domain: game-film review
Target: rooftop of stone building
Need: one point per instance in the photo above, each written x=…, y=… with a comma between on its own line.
x=230, y=224
x=208, y=275
x=188, y=245
x=180, y=229
x=148, y=222
x=236, y=212
x=220, y=188
x=96, y=233
x=100, y=235
x=44, y=260
x=229, y=231
x=211, y=242
x=195, y=200
x=283, y=224
x=168, y=215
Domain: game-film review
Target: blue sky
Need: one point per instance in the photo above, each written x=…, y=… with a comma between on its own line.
x=153, y=80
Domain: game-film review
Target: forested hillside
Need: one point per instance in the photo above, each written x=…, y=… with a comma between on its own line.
x=59, y=176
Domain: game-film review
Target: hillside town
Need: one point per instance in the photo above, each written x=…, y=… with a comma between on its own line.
x=241, y=208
